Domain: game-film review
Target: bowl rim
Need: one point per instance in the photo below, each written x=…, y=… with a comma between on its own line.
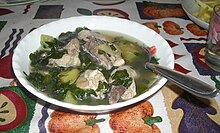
x=90, y=108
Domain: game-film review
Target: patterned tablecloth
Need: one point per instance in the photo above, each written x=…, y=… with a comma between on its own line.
x=21, y=112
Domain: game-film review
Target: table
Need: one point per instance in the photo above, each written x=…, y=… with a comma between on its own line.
x=179, y=110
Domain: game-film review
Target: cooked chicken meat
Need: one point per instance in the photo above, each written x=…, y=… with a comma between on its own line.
x=116, y=93
x=86, y=35
x=66, y=61
x=104, y=52
x=71, y=59
x=112, y=53
x=129, y=92
x=73, y=46
x=90, y=80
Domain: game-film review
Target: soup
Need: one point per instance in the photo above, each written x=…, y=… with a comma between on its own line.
x=91, y=67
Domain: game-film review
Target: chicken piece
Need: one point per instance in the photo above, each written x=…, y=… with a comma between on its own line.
x=67, y=60
x=130, y=92
x=100, y=49
x=73, y=46
x=92, y=48
x=86, y=35
x=63, y=122
x=131, y=72
x=90, y=80
x=113, y=55
x=71, y=59
x=130, y=119
x=116, y=93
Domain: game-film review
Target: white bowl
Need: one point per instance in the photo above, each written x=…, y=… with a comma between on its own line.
x=190, y=7
x=31, y=43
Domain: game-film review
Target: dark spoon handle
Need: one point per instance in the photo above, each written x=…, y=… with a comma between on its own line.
x=186, y=82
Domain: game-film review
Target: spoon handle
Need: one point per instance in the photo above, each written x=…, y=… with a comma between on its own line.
x=186, y=82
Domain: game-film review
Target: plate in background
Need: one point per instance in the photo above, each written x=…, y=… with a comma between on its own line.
x=190, y=7
x=15, y=2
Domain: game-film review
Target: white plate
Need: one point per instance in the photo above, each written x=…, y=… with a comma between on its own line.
x=15, y=2
x=190, y=7
x=31, y=43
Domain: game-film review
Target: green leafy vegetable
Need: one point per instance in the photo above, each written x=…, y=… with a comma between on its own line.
x=47, y=84
x=66, y=37
x=121, y=78
x=103, y=86
x=154, y=60
x=82, y=94
x=41, y=57
x=120, y=74
x=89, y=64
x=41, y=80
x=78, y=29
x=46, y=40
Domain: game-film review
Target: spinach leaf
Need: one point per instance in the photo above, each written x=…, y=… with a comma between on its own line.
x=46, y=41
x=49, y=42
x=78, y=29
x=48, y=84
x=126, y=82
x=82, y=94
x=41, y=57
x=121, y=77
x=41, y=81
x=120, y=74
x=103, y=86
x=66, y=37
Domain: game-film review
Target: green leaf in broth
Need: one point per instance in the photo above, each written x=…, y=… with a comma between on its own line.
x=120, y=74
x=103, y=86
x=121, y=77
x=46, y=41
x=66, y=37
x=80, y=29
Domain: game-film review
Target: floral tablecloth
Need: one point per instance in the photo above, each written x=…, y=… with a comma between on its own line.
x=21, y=112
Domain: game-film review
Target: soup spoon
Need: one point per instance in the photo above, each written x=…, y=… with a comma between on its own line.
x=186, y=82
